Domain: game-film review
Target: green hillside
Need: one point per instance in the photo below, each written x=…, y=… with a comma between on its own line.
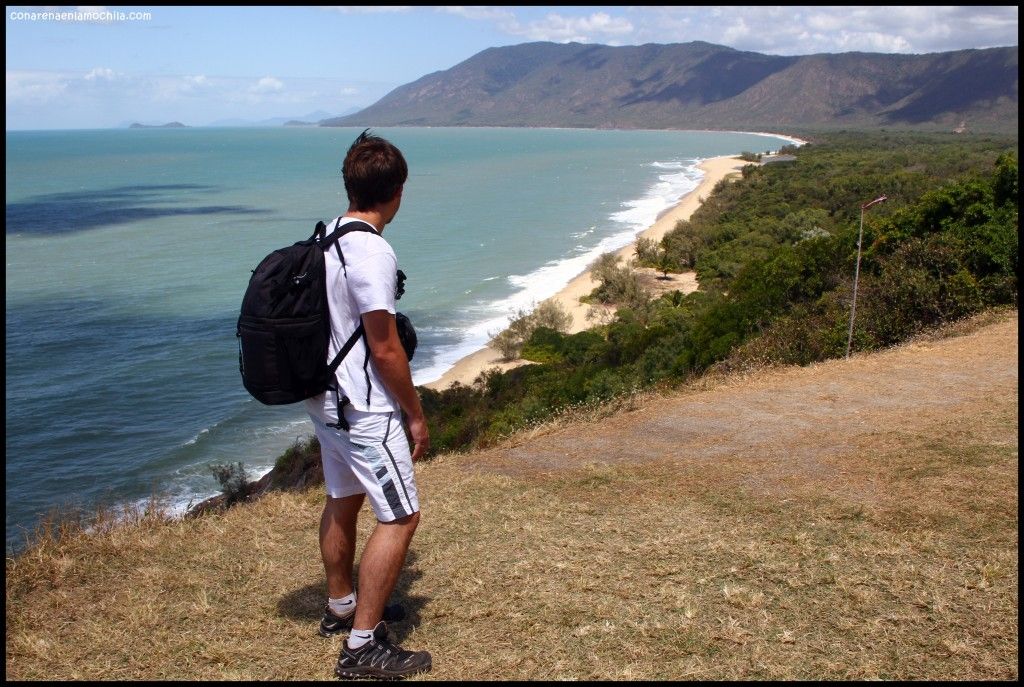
x=703, y=86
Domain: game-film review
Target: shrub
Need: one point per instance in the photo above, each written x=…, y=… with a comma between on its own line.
x=543, y=346
x=549, y=314
x=617, y=285
x=646, y=251
x=583, y=347
x=682, y=244
x=234, y=482
x=298, y=466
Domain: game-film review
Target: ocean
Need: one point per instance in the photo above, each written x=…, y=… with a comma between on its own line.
x=128, y=252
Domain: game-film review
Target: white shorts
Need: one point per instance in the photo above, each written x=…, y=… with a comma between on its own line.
x=372, y=458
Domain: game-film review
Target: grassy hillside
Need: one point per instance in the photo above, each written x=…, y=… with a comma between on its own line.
x=698, y=85
x=847, y=520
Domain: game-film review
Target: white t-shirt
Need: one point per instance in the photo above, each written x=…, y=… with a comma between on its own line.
x=367, y=283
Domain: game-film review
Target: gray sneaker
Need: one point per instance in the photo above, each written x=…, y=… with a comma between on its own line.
x=380, y=658
x=332, y=623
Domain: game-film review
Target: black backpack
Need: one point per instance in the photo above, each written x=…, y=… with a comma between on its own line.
x=284, y=326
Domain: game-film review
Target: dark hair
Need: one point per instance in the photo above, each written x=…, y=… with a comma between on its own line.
x=374, y=170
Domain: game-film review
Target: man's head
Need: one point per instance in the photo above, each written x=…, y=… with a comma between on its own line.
x=374, y=172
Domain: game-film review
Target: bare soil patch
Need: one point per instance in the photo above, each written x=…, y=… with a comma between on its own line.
x=789, y=421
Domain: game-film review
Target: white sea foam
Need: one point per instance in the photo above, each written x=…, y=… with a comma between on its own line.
x=793, y=140
x=186, y=495
x=679, y=178
x=192, y=484
x=198, y=436
x=290, y=428
x=181, y=498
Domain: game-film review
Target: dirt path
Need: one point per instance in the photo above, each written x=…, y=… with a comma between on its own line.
x=793, y=421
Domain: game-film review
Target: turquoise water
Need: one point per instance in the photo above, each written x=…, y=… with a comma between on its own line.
x=127, y=253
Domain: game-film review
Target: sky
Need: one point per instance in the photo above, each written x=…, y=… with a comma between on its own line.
x=99, y=67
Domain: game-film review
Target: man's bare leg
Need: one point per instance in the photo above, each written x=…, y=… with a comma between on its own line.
x=379, y=567
x=338, y=542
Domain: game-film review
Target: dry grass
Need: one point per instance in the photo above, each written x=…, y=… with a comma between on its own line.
x=895, y=557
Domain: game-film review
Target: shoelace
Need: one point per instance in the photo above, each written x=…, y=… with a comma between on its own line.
x=378, y=655
x=386, y=656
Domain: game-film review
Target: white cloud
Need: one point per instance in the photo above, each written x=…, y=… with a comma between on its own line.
x=780, y=30
x=268, y=84
x=101, y=74
x=870, y=41
x=28, y=87
x=367, y=9
x=503, y=19
x=561, y=29
x=776, y=30
x=804, y=30
x=558, y=28
x=737, y=33
x=477, y=12
x=171, y=88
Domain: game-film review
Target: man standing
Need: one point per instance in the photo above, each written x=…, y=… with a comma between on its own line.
x=373, y=393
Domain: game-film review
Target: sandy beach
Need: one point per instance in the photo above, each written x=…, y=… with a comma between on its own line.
x=715, y=169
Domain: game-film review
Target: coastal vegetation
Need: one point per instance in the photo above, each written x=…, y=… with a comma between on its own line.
x=525, y=322
x=775, y=256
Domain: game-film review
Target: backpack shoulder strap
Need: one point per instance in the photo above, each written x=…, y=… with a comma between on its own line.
x=333, y=367
x=325, y=243
x=339, y=231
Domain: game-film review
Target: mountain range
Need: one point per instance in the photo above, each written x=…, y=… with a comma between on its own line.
x=699, y=85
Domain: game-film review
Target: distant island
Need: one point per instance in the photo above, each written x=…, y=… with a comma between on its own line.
x=296, y=122
x=168, y=125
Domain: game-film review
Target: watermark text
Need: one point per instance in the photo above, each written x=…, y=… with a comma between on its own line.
x=99, y=16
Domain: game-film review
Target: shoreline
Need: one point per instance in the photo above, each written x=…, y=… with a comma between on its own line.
x=469, y=367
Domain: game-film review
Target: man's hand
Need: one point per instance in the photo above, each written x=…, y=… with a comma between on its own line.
x=420, y=436
x=393, y=366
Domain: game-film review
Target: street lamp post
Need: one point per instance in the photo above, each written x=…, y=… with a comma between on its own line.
x=856, y=274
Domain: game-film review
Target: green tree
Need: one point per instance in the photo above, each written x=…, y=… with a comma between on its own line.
x=549, y=314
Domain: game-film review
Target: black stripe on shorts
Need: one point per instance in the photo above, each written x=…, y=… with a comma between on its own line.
x=391, y=494
x=394, y=463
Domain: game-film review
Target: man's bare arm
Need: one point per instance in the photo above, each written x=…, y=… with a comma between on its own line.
x=393, y=367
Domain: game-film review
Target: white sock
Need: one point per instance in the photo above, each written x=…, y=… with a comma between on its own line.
x=342, y=606
x=358, y=638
